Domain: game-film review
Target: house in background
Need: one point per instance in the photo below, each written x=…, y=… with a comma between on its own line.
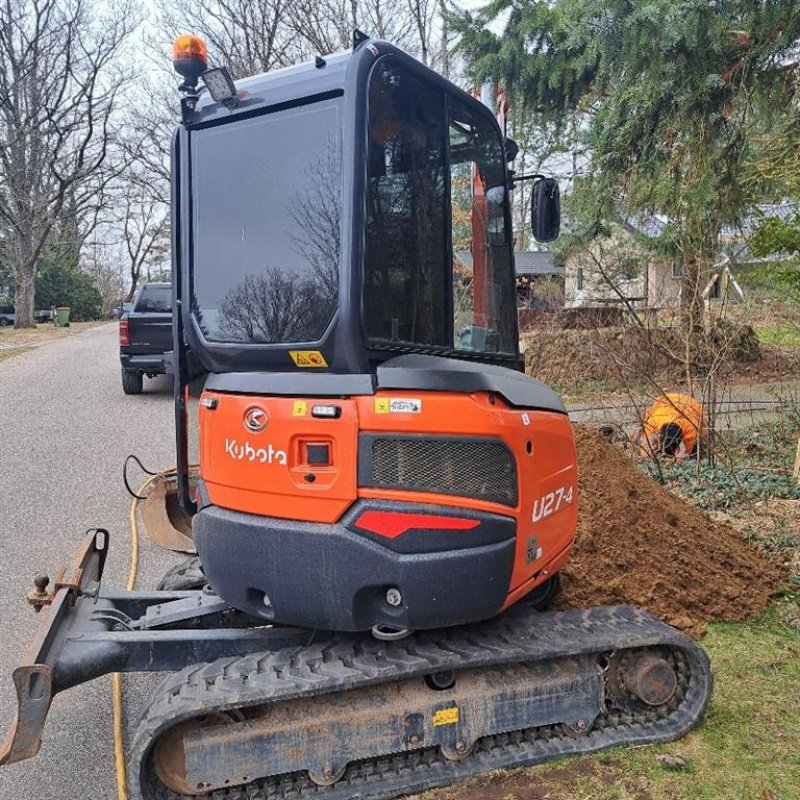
x=540, y=281
x=621, y=270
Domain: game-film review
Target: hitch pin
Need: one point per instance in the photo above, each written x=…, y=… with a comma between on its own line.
x=39, y=597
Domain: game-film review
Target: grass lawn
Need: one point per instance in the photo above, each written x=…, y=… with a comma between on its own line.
x=780, y=335
x=13, y=341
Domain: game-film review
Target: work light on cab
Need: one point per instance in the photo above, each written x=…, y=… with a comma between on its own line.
x=220, y=86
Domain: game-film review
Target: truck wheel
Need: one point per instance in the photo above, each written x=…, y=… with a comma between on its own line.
x=184, y=576
x=132, y=381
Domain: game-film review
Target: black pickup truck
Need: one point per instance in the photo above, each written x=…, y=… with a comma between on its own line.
x=145, y=336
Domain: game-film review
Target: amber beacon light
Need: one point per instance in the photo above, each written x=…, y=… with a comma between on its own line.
x=189, y=57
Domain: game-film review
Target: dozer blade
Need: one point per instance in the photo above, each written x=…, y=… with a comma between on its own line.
x=87, y=631
x=33, y=680
x=165, y=522
x=352, y=717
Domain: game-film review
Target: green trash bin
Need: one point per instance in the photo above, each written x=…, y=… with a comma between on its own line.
x=62, y=316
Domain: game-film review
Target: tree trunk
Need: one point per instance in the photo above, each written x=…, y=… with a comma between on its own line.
x=692, y=294
x=23, y=302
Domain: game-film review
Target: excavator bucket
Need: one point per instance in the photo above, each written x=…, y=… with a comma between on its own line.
x=165, y=522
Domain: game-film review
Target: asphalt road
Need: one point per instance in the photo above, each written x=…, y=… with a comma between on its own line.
x=65, y=429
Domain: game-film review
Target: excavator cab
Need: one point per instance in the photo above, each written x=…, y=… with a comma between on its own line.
x=345, y=279
x=356, y=208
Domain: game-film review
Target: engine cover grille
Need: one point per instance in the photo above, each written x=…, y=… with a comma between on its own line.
x=483, y=469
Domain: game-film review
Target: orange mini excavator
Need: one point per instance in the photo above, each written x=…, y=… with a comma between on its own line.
x=384, y=498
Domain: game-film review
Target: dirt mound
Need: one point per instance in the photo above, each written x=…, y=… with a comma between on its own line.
x=621, y=355
x=638, y=544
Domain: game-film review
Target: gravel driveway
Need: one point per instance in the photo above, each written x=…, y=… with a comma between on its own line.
x=65, y=429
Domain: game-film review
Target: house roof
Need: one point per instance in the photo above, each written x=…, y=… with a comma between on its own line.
x=754, y=218
x=650, y=226
x=654, y=225
x=528, y=262
x=536, y=262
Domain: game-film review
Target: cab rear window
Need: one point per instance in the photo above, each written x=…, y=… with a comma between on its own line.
x=155, y=299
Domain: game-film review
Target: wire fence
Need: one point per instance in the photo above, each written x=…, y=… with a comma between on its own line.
x=731, y=413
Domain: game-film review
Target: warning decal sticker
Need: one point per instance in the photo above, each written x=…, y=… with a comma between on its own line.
x=308, y=358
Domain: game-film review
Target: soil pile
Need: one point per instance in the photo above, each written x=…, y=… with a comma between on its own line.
x=639, y=544
x=622, y=355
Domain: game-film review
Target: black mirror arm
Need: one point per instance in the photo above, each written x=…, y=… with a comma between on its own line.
x=532, y=177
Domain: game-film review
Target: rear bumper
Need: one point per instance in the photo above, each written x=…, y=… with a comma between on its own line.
x=336, y=577
x=151, y=363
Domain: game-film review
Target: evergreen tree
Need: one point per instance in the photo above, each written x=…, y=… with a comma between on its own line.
x=59, y=278
x=674, y=93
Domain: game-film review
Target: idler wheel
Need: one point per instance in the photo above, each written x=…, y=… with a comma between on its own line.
x=327, y=776
x=459, y=752
x=650, y=677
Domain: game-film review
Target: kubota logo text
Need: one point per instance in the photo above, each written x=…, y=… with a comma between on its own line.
x=246, y=452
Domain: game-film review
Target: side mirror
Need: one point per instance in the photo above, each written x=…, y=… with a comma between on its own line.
x=545, y=210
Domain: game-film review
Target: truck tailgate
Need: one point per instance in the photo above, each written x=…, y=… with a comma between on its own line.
x=149, y=332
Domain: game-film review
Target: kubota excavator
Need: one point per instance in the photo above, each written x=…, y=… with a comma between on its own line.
x=384, y=498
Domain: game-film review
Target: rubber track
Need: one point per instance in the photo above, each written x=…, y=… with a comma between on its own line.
x=343, y=663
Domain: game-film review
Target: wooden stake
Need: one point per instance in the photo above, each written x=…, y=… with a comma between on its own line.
x=796, y=473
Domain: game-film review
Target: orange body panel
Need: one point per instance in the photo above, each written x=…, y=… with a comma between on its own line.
x=265, y=474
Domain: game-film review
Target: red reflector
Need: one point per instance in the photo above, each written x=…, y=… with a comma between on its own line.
x=123, y=332
x=392, y=524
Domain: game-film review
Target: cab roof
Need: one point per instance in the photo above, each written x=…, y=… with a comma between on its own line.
x=277, y=87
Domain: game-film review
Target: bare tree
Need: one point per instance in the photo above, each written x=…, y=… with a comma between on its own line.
x=423, y=17
x=104, y=272
x=247, y=36
x=59, y=91
x=149, y=126
x=143, y=220
x=325, y=26
x=253, y=36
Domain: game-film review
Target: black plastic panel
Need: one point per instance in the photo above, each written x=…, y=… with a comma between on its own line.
x=436, y=374
x=327, y=577
x=407, y=372
x=291, y=384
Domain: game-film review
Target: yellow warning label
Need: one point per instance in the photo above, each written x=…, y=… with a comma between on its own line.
x=381, y=405
x=300, y=408
x=308, y=358
x=446, y=716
